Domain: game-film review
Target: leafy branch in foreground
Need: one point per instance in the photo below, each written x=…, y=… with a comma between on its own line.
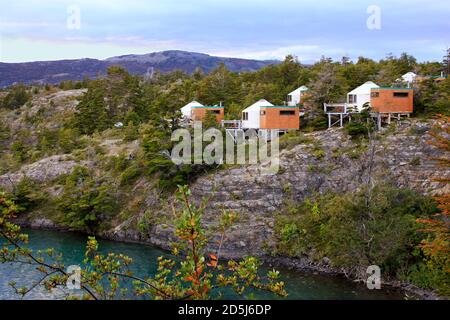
x=193, y=274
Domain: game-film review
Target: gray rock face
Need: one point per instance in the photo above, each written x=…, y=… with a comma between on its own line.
x=42, y=223
x=44, y=170
x=403, y=157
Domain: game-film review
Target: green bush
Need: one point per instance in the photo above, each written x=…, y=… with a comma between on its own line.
x=16, y=97
x=356, y=129
x=294, y=138
x=21, y=151
x=27, y=195
x=85, y=201
x=352, y=231
x=130, y=174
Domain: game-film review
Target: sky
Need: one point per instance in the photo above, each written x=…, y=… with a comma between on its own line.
x=32, y=30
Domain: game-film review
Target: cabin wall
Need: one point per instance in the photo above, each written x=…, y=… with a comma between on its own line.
x=383, y=100
x=198, y=114
x=253, y=119
x=271, y=118
x=361, y=100
x=295, y=98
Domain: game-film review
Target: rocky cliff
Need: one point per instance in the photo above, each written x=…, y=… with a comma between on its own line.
x=326, y=161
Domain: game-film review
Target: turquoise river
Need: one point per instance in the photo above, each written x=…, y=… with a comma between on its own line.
x=299, y=285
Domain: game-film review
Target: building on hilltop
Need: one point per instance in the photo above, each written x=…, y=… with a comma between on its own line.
x=384, y=104
x=195, y=111
x=264, y=115
x=359, y=97
x=295, y=97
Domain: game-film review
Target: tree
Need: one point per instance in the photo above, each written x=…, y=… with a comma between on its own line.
x=436, y=247
x=220, y=85
x=197, y=275
x=16, y=97
x=85, y=202
x=27, y=195
x=210, y=120
x=446, y=62
x=92, y=115
x=326, y=86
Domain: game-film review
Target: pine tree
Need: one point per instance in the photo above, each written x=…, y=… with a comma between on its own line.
x=91, y=112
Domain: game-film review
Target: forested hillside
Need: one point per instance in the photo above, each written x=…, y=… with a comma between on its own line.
x=66, y=165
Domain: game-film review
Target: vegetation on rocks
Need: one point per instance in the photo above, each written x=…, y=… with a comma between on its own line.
x=194, y=275
x=103, y=147
x=356, y=230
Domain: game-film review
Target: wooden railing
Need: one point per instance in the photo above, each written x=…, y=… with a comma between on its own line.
x=338, y=108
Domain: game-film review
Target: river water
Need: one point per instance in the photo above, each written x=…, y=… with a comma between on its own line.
x=71, y=245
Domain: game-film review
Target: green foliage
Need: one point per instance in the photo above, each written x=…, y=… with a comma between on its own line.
x=21, y=150
x=92, y=114
x=130, y=174
x=156, y=146
x=361, y=125
x=197, y=275
x=356, y=230
x=27, y=195
x=4, y=131
x=85, y=201
x=294, y=138
x=56, y=141
x=428, y=277
x=16, y=97
x=210, y=121
x=431, y=98
x=356, y=129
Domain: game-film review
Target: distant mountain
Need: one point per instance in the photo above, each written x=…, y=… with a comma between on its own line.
x=166, y=61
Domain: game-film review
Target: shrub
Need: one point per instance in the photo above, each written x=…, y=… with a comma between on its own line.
x=356, y=129
x=354, y=233
x=85, y=201
x=16, y=97
x=20, y=151
x=27, y=194
x=292, y=139
x=130, y=174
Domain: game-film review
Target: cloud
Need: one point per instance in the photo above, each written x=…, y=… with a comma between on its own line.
x=261, y=29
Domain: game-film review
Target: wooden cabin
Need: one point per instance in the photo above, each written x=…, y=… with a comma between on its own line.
x=359, y=97
x=392, y=100
x=199, y=112
x=265, y=115
x=295, y=97
x=195, y=111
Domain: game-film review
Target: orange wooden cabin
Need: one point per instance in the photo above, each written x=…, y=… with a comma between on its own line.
x=279, y=117
x=199, y=113
x=392, y=100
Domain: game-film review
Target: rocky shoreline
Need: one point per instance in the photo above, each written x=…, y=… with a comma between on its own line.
x=302, y=265
x=319, y=162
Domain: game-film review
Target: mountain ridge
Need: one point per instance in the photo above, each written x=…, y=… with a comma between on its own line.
x=56, y=71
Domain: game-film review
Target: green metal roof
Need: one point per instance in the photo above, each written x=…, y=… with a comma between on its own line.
x=208, y=107
x=278, y=107
x=393, y=88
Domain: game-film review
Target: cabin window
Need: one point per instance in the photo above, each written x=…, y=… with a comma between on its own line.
x=375, y=94
x=262, y=112
x=289, y=98
x=216, y=111
x=244, y=116
x=401, y=94
x=287, y=113
x=352, y=98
